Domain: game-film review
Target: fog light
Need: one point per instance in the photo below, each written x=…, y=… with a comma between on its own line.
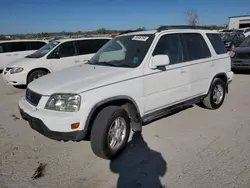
x=75, y=125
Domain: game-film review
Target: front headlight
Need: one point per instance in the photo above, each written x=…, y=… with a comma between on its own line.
x=16, y=70
x=64, y=102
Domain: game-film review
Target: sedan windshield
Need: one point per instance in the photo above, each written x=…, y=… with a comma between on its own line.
x=124, y=51
x=246, y=42
x=44, y=50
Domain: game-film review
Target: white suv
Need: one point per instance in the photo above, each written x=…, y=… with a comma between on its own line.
x=134, y=79
x=55, y=56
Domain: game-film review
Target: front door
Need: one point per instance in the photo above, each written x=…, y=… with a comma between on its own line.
x=64, y=56
x=168, y=85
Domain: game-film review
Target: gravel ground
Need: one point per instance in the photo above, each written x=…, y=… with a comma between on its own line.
x=193, y=148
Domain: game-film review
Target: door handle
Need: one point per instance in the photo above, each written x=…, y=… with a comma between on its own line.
x=212, y=64
x=8, y=55
x=182, y=71
x=15, y=54
x=77, y=61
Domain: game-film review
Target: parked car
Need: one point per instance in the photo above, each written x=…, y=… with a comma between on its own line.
x=56, y=55
x=134, y=79
x=16, y=49
x=232, y=39
x=241, y=56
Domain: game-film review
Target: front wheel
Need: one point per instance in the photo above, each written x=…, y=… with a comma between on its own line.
x=35, y=75
x=110, y=132
x=216, y=95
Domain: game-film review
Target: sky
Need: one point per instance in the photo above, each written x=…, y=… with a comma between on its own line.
x=32, y=16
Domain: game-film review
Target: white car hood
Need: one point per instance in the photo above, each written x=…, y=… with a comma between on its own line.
x=80, y=79
x=21, y=62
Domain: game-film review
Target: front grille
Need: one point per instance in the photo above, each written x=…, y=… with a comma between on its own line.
x=32, y=97
x=7, y=69
x=242, y=55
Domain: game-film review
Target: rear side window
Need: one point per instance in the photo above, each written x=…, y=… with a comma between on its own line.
x=170, y=45
x=17, y=46
x=195, y=46
x=4, y=48
x=36, y=45
x=90, y=46
x=217, y=43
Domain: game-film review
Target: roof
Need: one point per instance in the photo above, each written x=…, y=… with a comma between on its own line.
x=170, y=31
x=23, y=40
x=239, y=16
x=83, y=38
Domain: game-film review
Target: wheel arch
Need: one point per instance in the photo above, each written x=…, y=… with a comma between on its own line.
x=122, y=100
x=222, y=76
x=35, y=69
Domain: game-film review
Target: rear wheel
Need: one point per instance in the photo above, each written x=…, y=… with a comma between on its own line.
x=35, y=75
x=216, y=95
x=110, y=132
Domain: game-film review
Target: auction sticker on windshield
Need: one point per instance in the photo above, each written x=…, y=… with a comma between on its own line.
x=140, y=38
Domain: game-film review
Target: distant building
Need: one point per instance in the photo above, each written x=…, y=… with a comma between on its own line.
x=236, y=22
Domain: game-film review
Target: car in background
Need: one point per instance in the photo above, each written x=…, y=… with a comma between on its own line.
x=232, y=39
x=241, y=56
x=55, y=56
x=245, y=31
x=16, y=49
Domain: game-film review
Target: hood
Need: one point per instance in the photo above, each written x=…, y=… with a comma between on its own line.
x=80, y=78
x=20, y=62
x=242, y=50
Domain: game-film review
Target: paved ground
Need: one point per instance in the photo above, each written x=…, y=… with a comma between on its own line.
x=194, y=148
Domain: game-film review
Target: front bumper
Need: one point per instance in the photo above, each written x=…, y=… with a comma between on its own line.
x=14, y=79
x=243, y=64
x=40, y=126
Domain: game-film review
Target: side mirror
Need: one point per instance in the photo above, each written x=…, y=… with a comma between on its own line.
x=159, y=60
x=55, y=55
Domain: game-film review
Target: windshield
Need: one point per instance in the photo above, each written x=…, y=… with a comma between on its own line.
x=228, y=36
x=246, y=42
x=44, y=50
x=124, y=51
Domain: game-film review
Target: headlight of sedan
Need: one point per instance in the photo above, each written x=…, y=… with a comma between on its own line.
x=16, y=70
x=64, y=102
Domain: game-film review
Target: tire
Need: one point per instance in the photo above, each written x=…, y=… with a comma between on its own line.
x=209, y=101
x=35, y=75
x=99, y=138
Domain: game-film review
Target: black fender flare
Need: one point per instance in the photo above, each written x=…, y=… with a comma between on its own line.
x=105, y=101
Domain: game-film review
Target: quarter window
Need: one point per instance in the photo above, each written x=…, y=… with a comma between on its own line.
x=217, y=43
x=196, y=47
x=170, y=45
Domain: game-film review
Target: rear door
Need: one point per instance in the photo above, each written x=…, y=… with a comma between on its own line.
x=87, y=48
x=200, y=61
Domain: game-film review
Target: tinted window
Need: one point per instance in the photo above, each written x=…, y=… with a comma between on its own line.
x=90, y=46
x=17, y=46
x=170, y=45
x=196, y=47
x=36, y=45
x=217, y=43
x=4, y=47
x=67, y=49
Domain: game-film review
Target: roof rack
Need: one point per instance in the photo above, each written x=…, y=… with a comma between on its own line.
x=130, y=31
x=167, y=27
